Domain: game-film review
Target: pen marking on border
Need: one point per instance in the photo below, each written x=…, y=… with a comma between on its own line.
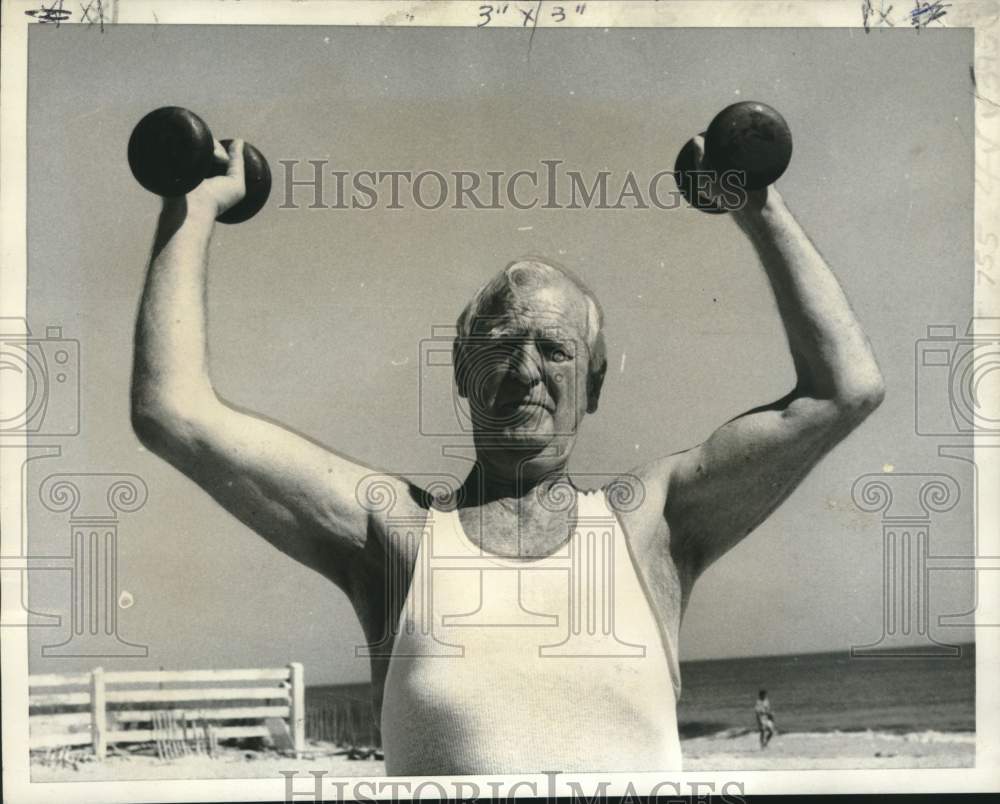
x=53, y=13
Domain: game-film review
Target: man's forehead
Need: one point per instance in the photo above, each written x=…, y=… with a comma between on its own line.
x=555, y=310
x=517, y=328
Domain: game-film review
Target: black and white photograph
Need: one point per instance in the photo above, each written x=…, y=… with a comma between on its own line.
x=473, y=399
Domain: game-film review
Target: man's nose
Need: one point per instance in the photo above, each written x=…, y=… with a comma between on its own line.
x=526, y=363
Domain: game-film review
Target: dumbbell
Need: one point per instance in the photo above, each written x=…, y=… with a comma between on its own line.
x=172, y=150
x=749, y=137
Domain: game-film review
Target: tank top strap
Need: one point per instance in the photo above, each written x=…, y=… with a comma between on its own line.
x=444, y=532
x=594, y=504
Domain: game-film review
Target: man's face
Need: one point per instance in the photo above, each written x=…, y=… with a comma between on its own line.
x=527, y=369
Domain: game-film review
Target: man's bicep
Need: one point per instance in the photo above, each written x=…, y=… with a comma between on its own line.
x=299, y=495
x=719, y=491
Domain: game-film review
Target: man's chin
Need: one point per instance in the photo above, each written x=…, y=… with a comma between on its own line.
x=527, y=439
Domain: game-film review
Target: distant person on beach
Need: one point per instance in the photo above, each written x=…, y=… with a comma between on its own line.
x=464, y=679
x=765, y=720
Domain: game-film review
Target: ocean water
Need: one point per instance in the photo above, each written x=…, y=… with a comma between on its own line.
x=822, y=692
x=811, y=692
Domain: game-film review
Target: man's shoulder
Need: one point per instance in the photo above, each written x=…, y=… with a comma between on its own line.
x=641, y=489
x=637, y=499
x=397, y=508
x=388, y=496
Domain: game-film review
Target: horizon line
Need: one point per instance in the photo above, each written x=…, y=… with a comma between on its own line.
x=914, y=646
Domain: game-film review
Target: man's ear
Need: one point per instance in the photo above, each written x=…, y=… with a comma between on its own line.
x=458, y=361
x=596, y=370
x=595, y=381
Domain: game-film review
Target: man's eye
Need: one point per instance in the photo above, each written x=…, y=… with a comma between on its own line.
x=560, y=355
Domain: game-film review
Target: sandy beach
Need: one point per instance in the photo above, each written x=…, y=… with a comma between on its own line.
x=832, y=750
x=786, y=752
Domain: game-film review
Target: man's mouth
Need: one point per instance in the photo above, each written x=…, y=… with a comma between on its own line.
x=517, y=404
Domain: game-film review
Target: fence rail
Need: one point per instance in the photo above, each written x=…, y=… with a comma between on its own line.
x=100, y=719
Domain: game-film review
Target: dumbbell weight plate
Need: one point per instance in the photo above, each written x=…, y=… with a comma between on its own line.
x=686, y=181
x=170, y=151
x=752, y=137
x=258, y=185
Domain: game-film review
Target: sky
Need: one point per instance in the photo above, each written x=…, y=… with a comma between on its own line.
x=317, y=316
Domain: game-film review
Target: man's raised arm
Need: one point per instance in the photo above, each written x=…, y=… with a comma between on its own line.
x=722, y=489
x=295, y=493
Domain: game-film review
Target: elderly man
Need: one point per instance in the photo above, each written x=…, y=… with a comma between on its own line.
x=461, y=686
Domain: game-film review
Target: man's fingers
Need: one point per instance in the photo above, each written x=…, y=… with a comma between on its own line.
x=225, y=184
x=699, y=149
x=235, y=159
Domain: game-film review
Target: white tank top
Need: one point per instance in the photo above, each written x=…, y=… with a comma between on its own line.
x=526, y=665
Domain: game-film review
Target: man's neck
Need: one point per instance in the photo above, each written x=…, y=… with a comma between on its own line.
x=518, y=516
x=487, y=484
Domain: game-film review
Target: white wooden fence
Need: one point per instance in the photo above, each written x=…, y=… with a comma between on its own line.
x=103, y=708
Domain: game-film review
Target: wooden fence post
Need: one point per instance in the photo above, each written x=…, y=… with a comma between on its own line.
x=98, y=713
x=298, y=709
